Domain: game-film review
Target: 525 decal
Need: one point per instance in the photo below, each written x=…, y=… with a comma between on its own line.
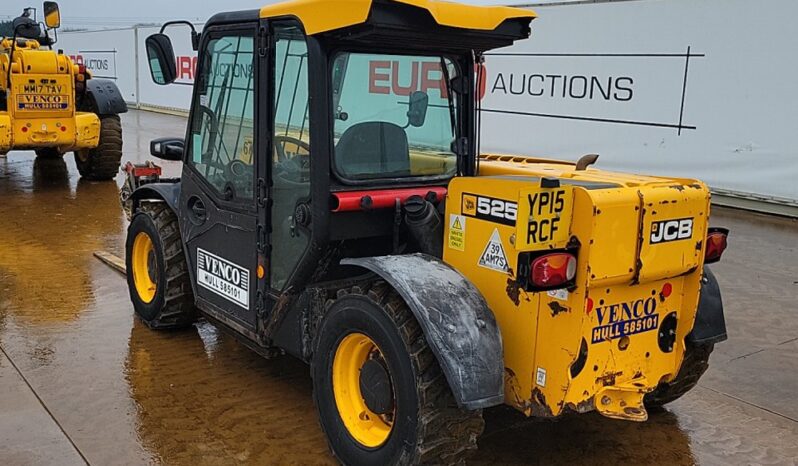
x=489, y=208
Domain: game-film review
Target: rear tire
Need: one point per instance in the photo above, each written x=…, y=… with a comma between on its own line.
x=48, y=153
x=696, y=362
x=102, y=162
x=423, y=421
x=157, y=271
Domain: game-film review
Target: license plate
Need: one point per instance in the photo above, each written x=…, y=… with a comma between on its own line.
x=544, y=217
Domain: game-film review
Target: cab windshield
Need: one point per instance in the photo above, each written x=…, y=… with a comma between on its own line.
x=394, y=116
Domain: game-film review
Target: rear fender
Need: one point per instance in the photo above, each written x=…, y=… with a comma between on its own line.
x=710, y=324
x=167, y=192
x=460, y=328
x=105, y=97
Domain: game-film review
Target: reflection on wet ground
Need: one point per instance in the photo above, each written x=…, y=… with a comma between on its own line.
x=126, y=395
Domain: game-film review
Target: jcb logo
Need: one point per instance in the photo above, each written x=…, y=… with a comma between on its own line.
x=671, y=230
x=490, y=209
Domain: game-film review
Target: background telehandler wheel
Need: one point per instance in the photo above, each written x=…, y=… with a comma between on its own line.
x=48, y=153
x=102, y=162
x=50, y=172
x=157, y=272
x=381, y=395
x=696, y=362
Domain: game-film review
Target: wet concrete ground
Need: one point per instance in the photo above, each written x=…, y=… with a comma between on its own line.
x=82, y=381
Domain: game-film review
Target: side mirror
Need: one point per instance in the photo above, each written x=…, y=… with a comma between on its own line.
x=417, y=113
x=167, y=148
x=52, y=16
x=161, y=57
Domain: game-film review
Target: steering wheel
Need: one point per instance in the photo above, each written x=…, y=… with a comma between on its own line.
x=237, y=168
x=280, y=141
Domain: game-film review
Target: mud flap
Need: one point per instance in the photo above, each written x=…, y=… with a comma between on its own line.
x=710, y=324
x=456, y=320
x=168, y=192
x=105, y=96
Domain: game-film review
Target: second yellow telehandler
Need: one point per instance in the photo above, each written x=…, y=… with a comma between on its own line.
x=51, y=105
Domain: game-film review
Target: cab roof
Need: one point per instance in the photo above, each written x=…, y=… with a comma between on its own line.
x=318, y=16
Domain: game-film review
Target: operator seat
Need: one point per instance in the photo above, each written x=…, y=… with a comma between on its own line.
x=373, y=148
x=27, y=28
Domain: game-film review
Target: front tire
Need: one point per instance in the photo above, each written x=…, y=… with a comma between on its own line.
x=102, y=162
x=48, y=153
x=696, y=362
x=381, y=395
x=157, y=271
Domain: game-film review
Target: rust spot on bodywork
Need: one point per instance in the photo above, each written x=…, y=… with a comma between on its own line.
x=609, y=378
x=538, y=406
x=512, y=382
x=513, y=291
x=583, y=406
x=677, y=187
x=557, y=308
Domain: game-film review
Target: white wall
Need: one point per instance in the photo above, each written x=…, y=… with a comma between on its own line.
x=107, y=54
x=739, y=102
x=731, y=122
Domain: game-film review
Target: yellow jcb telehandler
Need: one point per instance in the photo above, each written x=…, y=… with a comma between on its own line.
x=334, y=206
x=53, y=106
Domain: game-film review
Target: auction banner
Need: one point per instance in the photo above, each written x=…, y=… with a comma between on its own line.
x=667, y=87
x=670, y=87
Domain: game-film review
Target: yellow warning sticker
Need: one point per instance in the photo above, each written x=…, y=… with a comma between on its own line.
x=457, y=229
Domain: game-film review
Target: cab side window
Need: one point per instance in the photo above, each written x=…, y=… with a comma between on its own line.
x=291, y=152
x=222, y=126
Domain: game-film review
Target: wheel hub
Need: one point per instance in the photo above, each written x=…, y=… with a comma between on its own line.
x=144, y=264
x=375, y=386
x=152, y=266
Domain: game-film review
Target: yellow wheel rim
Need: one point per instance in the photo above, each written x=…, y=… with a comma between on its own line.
x=145, y=268
x=368, y=428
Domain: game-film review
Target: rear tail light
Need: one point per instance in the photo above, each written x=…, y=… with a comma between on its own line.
x=82, y=69
x=553, y=270
x=716, y=244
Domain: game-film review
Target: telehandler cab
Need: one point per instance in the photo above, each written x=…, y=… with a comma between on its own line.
x=53, y=106
x=333, y=206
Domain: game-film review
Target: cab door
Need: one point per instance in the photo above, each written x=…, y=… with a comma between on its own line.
x=218, y=200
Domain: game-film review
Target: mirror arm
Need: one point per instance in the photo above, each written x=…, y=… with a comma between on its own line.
x=194, y=34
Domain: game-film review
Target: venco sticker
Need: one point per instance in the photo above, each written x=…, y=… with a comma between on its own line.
x=222, y=277
x=622, y=319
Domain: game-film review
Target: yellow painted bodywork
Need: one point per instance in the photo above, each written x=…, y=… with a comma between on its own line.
x=608, y=223
x=319, y=16
x=40, y=111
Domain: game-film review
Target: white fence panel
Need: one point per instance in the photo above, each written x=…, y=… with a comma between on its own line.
x=107, y=54
x=671, y=87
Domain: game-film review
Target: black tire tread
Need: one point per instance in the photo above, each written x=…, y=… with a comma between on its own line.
x=48, y=153
x=696, y=362
x=104, y=160
x=446, y=433
x=178, y=310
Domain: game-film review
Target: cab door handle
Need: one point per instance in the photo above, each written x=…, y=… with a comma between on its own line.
x=197, y=209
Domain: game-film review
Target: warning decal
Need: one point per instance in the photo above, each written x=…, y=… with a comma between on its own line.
x=457, y=226
x=493, y=257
